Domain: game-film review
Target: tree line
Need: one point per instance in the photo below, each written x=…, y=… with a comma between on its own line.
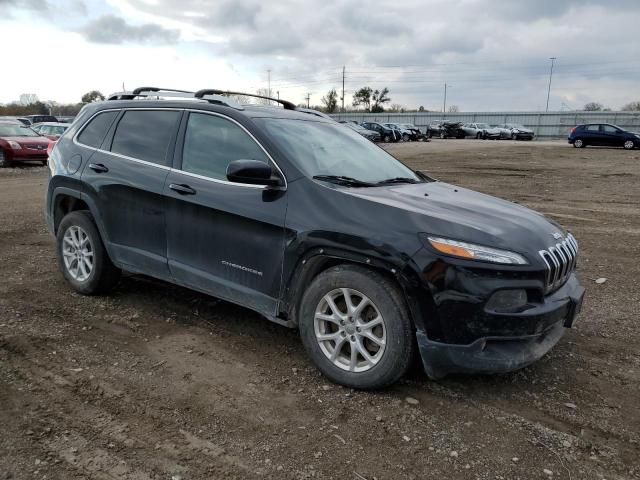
x=38, y=107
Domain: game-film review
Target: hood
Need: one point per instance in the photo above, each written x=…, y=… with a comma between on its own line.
x=524, y=130
x=446, y=210
x=27, y=141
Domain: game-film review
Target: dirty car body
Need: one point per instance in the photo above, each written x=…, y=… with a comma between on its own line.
x=489, y=286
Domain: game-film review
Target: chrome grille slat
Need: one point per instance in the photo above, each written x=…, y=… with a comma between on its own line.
x=560, y=261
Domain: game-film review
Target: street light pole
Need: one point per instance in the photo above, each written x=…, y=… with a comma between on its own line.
x=444, y=104
x=553, y=60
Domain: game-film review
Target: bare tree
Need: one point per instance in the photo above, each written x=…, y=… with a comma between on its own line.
x=593, y=107
x=631, y=107
x=454, y=109
x=330, y=101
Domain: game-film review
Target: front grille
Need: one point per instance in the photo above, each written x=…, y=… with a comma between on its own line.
x=560, y=260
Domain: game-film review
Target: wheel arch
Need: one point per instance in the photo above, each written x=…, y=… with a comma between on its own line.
x=317, y=260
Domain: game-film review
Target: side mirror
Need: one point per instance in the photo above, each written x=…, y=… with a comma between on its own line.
x=253, y=172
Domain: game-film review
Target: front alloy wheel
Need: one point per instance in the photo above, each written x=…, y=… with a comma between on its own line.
x=356, y=328
x=629, y=145
x=350, y=330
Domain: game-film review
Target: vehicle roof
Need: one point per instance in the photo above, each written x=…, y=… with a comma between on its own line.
x=251, y=111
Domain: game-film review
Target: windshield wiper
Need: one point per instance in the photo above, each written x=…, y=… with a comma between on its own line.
x=342, y=180
x=392, y=181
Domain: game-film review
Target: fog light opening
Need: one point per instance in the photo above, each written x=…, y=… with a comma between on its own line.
x=507, y=301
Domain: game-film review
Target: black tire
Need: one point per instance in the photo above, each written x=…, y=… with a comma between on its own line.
x=4, y=163
x=104, y=274
x=400, y=344
x=386, y=139
x=579, y=143
x=514, y=136
x=479, y=135
x=405, y=138
x=443, y=135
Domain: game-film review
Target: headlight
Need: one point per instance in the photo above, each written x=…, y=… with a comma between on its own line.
x=13, y=144
x=637, y=136
x=471, y=251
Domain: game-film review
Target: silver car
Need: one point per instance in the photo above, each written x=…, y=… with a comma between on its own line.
x=481, y=131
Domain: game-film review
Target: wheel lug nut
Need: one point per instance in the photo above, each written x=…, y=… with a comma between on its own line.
x=353, y=338
x=357, y=329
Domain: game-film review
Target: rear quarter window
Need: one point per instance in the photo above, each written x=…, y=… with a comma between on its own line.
x=93, y=134
x=145, y=134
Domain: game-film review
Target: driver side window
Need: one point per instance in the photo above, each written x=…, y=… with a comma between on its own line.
x=211, y=143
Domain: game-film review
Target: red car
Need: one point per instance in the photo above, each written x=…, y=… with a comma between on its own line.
x=18, y=143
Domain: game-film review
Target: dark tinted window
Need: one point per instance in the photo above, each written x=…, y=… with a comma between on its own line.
x=593, y=128
x=94, y=133
x=145, y=134
x=211, y=143
x=610, y=129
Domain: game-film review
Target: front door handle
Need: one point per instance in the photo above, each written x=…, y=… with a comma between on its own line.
x=98, y=168
x=182, y=189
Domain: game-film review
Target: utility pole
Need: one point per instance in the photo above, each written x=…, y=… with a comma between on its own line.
x=553, y=60
x=278, y=92
x=343, y=68
x=444, y=104
x=308, y=97
x=269, y=82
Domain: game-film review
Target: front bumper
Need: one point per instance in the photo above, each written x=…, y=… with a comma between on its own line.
x=504, y=353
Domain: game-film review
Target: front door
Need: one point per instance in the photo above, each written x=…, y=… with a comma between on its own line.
x=223, y=238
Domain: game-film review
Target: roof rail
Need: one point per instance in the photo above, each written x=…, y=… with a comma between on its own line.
x=212, y=91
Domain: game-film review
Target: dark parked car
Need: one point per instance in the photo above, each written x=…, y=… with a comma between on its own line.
x=368, y=134
x=314, y=227
x=603, y=134
x=451, y=130
x=387, y=134
x=41, y=118
x=18, y=143
x=416, y=134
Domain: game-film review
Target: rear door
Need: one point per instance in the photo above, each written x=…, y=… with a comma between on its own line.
x=592, y=134
x=224, y=238
x=125, y=179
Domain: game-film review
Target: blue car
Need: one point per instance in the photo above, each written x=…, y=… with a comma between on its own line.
x=603, y=134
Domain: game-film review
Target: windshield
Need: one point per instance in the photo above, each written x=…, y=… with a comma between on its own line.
x=322, y=148
x=483, y=125
x=16, y=131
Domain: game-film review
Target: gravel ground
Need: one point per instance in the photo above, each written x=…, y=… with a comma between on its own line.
x=158, y=382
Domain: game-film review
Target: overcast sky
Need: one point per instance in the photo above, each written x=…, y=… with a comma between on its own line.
x=493, y=54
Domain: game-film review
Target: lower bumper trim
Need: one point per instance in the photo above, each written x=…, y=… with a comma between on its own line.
x=486, y=355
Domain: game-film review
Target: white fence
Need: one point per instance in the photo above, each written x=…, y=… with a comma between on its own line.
x=544, y=124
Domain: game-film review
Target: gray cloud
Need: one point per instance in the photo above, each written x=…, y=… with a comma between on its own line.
x=115, y=30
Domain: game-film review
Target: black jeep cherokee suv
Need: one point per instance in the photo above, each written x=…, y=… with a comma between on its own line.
x=303, y=220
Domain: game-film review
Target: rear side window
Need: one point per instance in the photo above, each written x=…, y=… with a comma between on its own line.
x=93, y=134
x=593, y=128
x=145, y=134
x=211, y=143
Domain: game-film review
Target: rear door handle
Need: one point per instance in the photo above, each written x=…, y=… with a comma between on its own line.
x=98, y=168
x=182, y=189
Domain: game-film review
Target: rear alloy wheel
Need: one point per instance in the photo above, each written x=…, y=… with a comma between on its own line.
x=356, y=328
x=578, y=143
x=629, y=145
x=4, y=163
x=82, y=257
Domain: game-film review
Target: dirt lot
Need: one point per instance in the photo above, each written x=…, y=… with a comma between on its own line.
x=157, y=382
